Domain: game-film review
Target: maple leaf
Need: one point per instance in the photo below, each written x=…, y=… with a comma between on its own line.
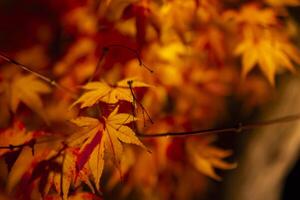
x=204, y=157
x=27, y=89
x=57, y=168
x=82, y=48
x=16, y=135
x=101, y=91
x=63, y=179
x=101, y=136
x=252, y=14
x=269, y=51
x=116, y=132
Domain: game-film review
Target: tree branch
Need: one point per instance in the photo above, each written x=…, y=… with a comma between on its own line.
x=40, y=76
x=285, y=119
x=237, y=129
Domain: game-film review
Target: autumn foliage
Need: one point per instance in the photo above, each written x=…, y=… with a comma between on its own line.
x=84, y=85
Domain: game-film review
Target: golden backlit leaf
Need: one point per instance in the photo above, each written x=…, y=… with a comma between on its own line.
x=85, y=121
x=270, y=52
x=116, y=132
x=205, y=157
x=114, y=125
x=96, y=163
x=253, y=15
x=27, y=89
x=94, y=141
x=101, y=91
x=114, y=147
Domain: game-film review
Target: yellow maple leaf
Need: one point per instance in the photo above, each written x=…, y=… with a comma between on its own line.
x=204, y=157
x=27, y=89
x=115, y=125
x=102, y=136
x=101, y=91
x=269, y=51
x=252, y=14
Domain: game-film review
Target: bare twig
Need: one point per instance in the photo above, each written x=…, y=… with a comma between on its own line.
x=40, y=76
x=31, y=143
x=237, y=129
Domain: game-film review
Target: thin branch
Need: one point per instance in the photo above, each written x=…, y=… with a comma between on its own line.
x=40, y=76
x=31, y=143
x=237, y=129
x=12, y=147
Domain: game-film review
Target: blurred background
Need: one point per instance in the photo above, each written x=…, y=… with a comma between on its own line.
x=201, y=81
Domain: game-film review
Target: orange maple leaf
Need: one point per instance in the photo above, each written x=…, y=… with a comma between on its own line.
x=101, y=91
x=269, y=51
x=27, y=89
x=253, y=15
x=204, y=157
x=101, y=136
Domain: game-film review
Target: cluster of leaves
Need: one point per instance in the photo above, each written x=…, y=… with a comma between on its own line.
x=94, y=77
